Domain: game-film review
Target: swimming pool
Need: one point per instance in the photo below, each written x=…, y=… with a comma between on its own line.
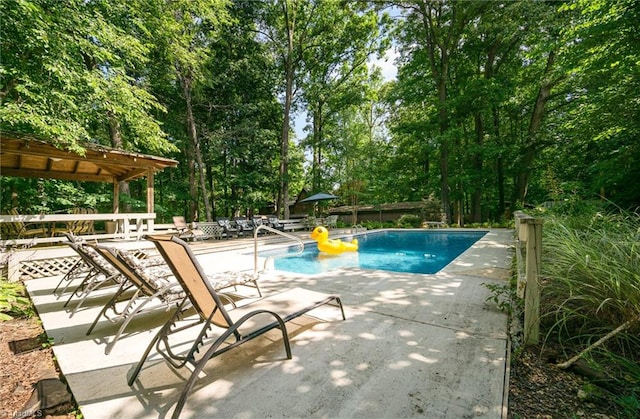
x=411, y=251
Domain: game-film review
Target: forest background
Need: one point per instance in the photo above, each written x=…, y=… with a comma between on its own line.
x=496, y=104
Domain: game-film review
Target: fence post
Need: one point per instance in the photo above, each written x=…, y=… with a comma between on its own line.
x=532, y=291
x=529, y=233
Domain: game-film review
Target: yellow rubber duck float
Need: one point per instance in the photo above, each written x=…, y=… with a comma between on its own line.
x=333, y=247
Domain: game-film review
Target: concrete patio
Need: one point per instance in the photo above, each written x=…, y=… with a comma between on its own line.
x=412, y=345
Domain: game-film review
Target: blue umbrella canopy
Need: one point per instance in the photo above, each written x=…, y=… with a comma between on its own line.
x=319, y=197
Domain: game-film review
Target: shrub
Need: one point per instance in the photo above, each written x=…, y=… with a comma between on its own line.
x=14, y=301
x=409, y=221
x=591, y=286
x=593, y=270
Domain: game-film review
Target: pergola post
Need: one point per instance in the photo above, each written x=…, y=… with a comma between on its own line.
x=150, y=197
x=116, y=197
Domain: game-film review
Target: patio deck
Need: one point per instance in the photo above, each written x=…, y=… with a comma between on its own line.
x=412, y=345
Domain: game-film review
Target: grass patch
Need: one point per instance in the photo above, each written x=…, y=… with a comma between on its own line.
x=591, y=286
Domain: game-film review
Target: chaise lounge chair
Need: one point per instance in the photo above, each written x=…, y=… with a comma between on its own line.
x=236, y=326
x=150, y=286
x=184, y=231
x=228, y=229
x=99, y=274
x=155, y=283
x=79, y=269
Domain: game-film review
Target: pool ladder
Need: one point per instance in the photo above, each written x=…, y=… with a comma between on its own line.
x=296, y=240
x=357, y=228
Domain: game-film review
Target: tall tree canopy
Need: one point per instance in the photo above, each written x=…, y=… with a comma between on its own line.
x=496, y=104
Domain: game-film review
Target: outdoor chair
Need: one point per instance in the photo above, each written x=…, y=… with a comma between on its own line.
x=99, y=275
x=228, y=229
x=78, y=269
x=257, y=222
x=244, y=225
x=78, y=227
x=83, y=267
x=235, y=326
x=332, y=221
x=310, y=222
x=184, y=231
x=20, y=230
x=274, y=222
x=153, y=283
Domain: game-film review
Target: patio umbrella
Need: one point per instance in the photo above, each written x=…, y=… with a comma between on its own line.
x=319, y=197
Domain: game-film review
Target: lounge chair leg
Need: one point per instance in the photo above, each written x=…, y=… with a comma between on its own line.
x=69, y=275
x=110, y=304
x=341, y=308
x=162, y=332
x=207, y=356
x=90, y=274
x=124, y=325
x=138, y=367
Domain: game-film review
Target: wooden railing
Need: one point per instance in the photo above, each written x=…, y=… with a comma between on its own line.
x=127, y=226
x=529, y=259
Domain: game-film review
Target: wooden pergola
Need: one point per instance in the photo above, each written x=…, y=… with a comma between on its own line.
x=31, y=157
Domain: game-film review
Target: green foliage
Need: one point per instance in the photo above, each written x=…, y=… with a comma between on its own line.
x=34, y=196
x=591, y=271
x=14, y=301
x=622, y=376
x=68, y=71
x=457, y=120
x=372, y=225
x=409, y=221
x=504, y=297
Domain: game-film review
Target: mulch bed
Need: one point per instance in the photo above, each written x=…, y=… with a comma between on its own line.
x=30, y=385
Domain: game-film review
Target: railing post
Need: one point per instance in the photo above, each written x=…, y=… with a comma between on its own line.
x=532, y=292
x=529, y=233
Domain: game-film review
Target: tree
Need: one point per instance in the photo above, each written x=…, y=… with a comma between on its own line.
x=183, y=32
x=601, y=128
x=435, y=29
x=296, y=31
x=68, y=74
x=241, y=116
x=335, y=69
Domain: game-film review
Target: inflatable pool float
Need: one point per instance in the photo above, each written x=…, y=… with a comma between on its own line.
x=333, y=247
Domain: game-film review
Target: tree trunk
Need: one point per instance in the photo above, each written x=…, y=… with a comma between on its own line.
x=445, y=193
x=284, y=150
x=317, y=147
x=476, y=197
x=115, y=134
x=195, y=147
x=532, y=147
x=439, y=44
x=499, y=163
x=283, y=193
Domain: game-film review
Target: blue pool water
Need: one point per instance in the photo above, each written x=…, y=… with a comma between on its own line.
x=424, y=252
